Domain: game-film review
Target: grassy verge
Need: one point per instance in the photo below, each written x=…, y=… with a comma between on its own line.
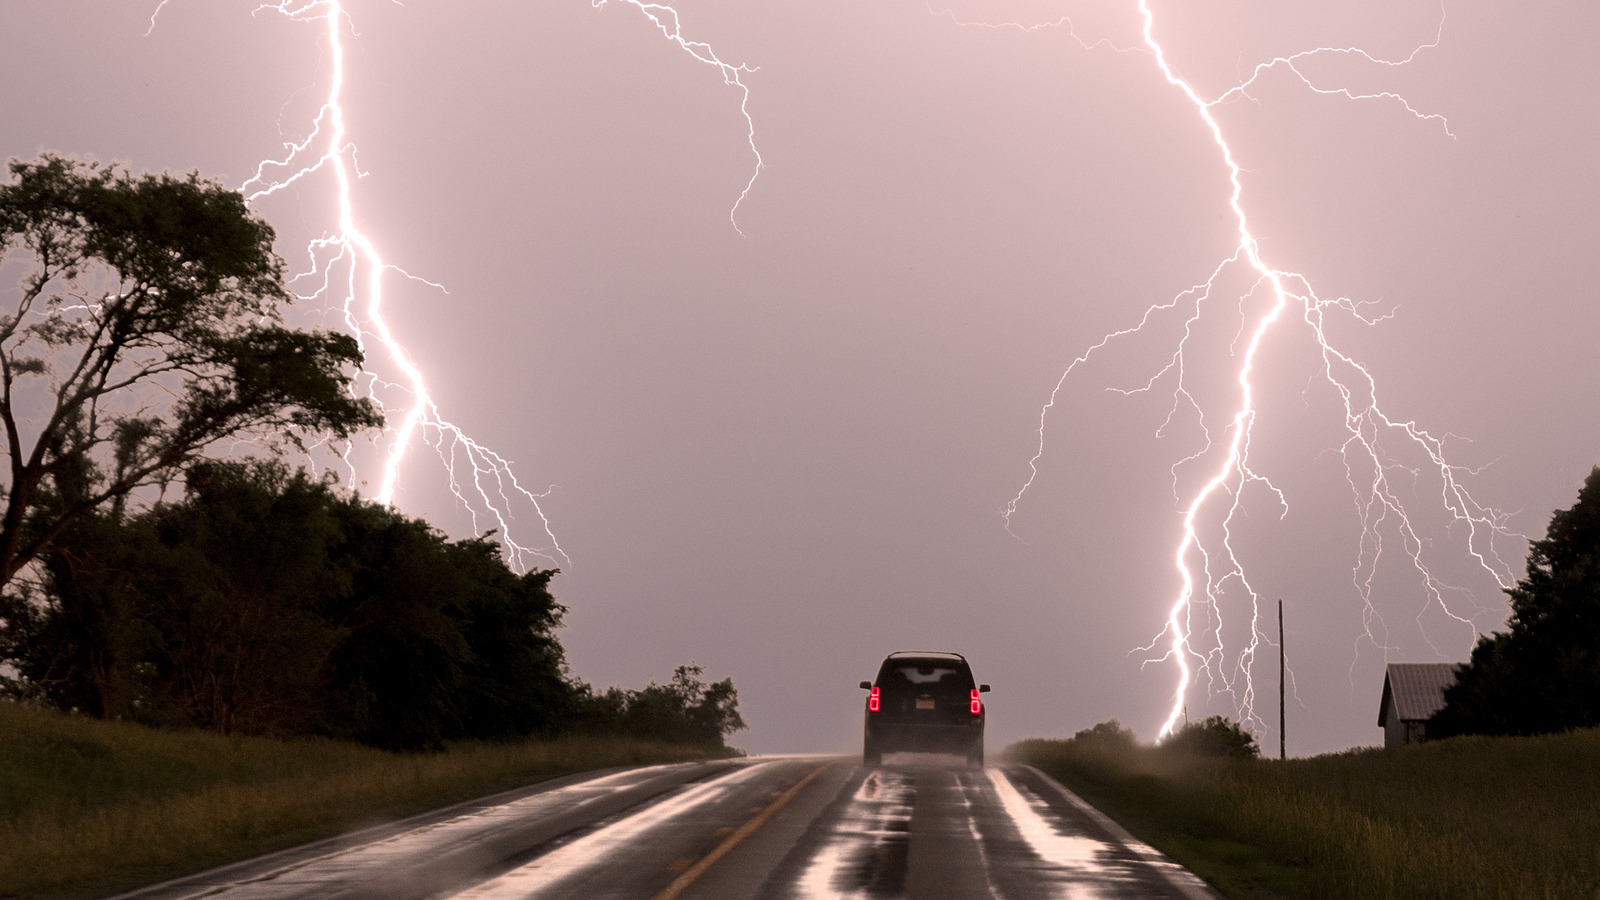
x=89, y=808
x=1464, y=818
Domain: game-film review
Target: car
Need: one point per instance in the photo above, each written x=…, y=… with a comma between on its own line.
x=923, y=701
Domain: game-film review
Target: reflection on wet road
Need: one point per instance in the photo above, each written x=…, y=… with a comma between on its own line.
x=792, y=828
x=864, y=853
x=1005, y=832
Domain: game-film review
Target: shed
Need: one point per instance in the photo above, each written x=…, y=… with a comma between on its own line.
x=1412, y=693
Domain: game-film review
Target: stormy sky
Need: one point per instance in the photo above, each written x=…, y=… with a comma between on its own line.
x=785, y=449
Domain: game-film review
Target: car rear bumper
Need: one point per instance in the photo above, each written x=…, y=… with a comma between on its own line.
x=923, y=738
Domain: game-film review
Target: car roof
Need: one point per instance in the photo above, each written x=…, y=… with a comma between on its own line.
x=927, y=654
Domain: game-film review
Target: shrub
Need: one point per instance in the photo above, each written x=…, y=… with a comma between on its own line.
x=1213, y=736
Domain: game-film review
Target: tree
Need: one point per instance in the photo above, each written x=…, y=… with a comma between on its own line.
x=514, y=683
x=1542, y=674
x=234, y=580
x=77, y=635
x=203, y=612
x=440, y=640
x=1110, y=735
x=146, y=328
x=267, y=602
x=685, y=710
x=1214, y=736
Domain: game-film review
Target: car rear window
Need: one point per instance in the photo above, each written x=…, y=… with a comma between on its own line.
x=937, y=675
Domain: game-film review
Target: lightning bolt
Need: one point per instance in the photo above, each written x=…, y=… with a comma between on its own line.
x=1206, y=562
x=667, y=20
x=348, y=271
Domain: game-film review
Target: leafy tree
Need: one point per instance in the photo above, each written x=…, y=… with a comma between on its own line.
x=204, y=612
x=685, y=710
x=1542, y=674
x=266, y=602
x=1110, y=735
x=398, y=667
x=440, y=640
x=1212, y=736
x=235, y=579
x=514, y=683
x=144, y=329
x=75, y=637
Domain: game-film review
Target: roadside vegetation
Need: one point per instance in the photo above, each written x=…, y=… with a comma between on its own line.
x=1508, y=807
x=267, y=603
x=152, y=571
x=90, y=807
x=1542, y=674
x=205, y=652
x=1468, y=817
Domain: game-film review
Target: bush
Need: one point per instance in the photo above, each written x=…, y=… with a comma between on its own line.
x=1110, y=735
x=684, y=711
x=1213, y=736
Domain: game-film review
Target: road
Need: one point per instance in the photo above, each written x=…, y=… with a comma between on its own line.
x=793, y=828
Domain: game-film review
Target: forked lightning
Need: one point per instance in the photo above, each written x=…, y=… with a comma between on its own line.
x=348, y=272
x=1192, y=636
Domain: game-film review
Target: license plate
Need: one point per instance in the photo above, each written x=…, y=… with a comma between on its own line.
x=924, y=703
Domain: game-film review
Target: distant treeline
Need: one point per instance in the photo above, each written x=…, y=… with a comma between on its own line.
x=268, y=602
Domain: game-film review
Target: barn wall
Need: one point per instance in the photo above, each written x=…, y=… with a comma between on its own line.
x=1394, y=730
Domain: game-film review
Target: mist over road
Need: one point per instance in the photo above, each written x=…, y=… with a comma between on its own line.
x=778, y=827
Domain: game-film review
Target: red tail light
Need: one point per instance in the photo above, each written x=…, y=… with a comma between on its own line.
x=872, y=701
x=976, y=705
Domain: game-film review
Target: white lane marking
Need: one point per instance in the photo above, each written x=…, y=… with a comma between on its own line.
x=364, y=862
x=1186, y=882
x=968, y=789
x=595, y=849
x=1076, y=859
x=864, y=828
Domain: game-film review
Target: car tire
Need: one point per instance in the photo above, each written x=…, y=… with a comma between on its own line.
x=975, y=755
x=871, y=756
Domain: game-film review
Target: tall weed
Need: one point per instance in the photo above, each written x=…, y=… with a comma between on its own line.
x=89, y=806
x=1463, y=818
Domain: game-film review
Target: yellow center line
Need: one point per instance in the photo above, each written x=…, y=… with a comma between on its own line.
x=683, y=881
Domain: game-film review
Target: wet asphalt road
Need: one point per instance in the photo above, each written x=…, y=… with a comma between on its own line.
x=792, y=828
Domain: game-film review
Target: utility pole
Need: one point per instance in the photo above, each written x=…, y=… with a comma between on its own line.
x=1281, y=741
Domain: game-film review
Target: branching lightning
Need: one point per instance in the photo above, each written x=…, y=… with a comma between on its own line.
x=1205, y=558
x=347, y=271
x=666, y=19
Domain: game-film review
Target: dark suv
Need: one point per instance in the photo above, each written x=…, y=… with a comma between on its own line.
x=925, y=702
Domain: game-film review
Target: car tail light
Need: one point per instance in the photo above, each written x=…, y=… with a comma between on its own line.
x=976, y=705
x=872, y=701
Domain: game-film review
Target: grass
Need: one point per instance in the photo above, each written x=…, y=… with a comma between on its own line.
x=1460, y=819
x=90, y=808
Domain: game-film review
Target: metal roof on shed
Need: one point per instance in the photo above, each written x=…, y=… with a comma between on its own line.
x=1417, y=688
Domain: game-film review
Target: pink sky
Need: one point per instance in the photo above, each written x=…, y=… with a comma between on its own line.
x=787, y=453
